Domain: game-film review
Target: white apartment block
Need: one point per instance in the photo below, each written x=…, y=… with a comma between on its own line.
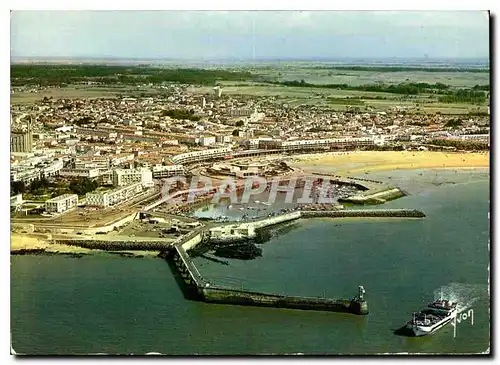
x=207, y=140
x=53, y=168
x=160, y=171
x=201, y=155
x=27, y=175
x=16, y=200
x=223, y=138
x=88, y=173
x=117, y=160
x=240, y=112
x=265, y=143
x=113, y=197
x=122, y=177
x=62, y=203
x=93, y=163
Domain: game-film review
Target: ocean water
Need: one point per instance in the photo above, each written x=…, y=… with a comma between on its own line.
x=115, y=305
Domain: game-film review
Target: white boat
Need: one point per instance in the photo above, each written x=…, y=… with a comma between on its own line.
x=435, y=316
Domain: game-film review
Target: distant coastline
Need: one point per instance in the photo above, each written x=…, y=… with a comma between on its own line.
x=444, y=63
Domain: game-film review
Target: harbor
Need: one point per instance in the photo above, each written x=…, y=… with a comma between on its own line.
x=201, y=289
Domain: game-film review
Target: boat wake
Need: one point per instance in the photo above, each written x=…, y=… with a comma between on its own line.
x=466, y=295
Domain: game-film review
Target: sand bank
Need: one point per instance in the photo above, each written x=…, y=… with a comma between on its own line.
x=368, y=161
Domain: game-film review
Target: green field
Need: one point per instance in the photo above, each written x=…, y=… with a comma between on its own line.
x=81, y=92
x=255, y=82
x=332, y=98
x=356, y=78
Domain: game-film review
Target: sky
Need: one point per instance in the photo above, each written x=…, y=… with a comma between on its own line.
x=205, y=35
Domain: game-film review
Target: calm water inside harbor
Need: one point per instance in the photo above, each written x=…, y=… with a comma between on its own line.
x=107, y=304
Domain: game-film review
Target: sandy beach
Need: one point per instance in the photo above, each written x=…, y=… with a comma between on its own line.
x=346, y=163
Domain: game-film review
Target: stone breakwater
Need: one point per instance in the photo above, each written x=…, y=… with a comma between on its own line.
x=240, y=297
x=396, y=213
x=117, y=245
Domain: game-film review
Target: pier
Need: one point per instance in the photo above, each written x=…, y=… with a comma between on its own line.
x=200, y=289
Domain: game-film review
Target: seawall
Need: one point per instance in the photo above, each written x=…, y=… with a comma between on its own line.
x=240, y=297
x=117, y=245
x=396, y=213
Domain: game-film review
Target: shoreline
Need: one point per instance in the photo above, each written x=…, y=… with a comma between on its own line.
x=28, y=245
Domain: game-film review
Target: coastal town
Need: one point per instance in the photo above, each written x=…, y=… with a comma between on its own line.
x=106, y=155
x=250, y=182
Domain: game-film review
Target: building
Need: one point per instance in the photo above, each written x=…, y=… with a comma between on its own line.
x=217, y=91
x=113, y=197
x=88, y=173
x=224, y=138
x=52, y=168
x=476, y=137
x=122, y=158
x=16, y=200
x=101, y=163
x=240, y=112
x=237, y=170
x=27, y=175
x=207, y=140
x=160, y=171
x=62, y=203
x=203, y=155
x=22, y=141
x=122, y=177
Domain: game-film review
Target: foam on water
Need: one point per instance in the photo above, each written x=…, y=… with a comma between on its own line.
x=464, y=294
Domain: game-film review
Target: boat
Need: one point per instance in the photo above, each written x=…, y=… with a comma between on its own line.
x=437, y=314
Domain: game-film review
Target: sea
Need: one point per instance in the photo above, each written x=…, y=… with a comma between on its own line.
x=114, y=305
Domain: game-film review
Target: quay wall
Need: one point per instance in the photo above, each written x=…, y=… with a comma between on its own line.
x=397, y=213
x=274, y=220
x=240, y=297
x=191, y=242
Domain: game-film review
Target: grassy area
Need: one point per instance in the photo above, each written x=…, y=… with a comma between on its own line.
x=354, y=77
x=337, y=99
x=80, y=92
x=334, y=99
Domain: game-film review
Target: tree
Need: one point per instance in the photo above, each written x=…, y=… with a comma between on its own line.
x=17, y=187
x=82, y=186
x=236, y=132
x=39, y=184
x=240, y=123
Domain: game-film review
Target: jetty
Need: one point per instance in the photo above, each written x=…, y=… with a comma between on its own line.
x=201, y=289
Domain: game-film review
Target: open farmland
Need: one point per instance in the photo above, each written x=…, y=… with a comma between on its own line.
x=338, y=100
x=356, y=78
